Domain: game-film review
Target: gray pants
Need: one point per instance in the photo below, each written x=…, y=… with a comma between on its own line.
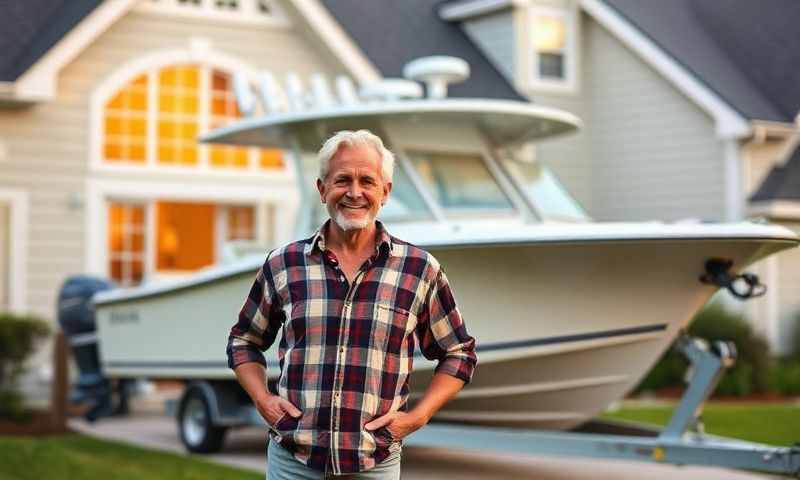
x=281, y=465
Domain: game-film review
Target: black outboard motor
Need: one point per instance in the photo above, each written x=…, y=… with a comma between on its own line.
x=76, y=317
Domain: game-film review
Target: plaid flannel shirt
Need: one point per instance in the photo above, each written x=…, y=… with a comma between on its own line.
x=346, y=350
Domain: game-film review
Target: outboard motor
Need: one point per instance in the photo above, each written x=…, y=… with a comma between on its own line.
x=76, y=317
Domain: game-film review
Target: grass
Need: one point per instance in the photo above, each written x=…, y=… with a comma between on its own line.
x=764, y=423
x=75, y=456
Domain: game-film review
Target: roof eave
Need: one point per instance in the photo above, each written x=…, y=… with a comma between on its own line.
x=40, y=81
x=467, y=9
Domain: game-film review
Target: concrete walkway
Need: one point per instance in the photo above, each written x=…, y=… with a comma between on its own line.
x=245, y=448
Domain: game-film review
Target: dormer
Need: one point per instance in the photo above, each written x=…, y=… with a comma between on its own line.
x=534, y=43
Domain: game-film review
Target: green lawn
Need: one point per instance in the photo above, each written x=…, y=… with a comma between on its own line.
x=765, y=423
x=73, y=456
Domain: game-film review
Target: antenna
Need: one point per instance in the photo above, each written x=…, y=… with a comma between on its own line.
x=436, y=73
x=391, y=89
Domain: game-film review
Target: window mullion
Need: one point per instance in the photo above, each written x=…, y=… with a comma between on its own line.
x=204, y=97
x=152, y=119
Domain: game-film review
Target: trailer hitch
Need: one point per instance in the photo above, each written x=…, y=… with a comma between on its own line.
x=744, y=286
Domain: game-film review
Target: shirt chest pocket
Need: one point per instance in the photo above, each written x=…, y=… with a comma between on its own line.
x=391, y=325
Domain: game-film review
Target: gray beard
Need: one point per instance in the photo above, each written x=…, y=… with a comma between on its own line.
x=347, y=224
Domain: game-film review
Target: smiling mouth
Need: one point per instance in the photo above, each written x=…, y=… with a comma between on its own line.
x=352, y=207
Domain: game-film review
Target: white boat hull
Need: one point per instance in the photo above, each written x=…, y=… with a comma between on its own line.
x=563, y=328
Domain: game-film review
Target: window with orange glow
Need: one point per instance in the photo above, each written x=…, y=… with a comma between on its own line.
x=157, y=117
x=184, y=236
x=224, y=110
x=241, y=223
x=125, y=123
x=178, y=115
x=126, y=234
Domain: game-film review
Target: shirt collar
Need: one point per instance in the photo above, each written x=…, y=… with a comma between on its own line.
x=318, y=239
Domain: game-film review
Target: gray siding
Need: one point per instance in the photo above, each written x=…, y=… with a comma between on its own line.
x=494, y=35
x=655, y=153
x=570, y=157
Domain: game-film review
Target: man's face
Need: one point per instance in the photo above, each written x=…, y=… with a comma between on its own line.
x=354, y=189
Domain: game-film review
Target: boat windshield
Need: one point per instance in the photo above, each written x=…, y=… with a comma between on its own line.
x=549, y=197
x=405, y=203
x=460, y=183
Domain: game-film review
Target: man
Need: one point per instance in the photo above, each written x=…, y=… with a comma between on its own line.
x=351, y=302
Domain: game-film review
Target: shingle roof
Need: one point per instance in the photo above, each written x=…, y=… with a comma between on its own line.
x=32, y=27
x=393, y=32
x=746, y=51
x=781, y=183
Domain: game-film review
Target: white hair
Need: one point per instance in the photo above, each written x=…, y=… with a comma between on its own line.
x=353, y=138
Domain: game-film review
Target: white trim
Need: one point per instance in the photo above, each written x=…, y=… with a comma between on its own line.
x=337, y=40
x=534, y=82
x=246, y=16
x=17, y=201
x=100, y=191
x=734, y=180
x=475, y=8
x=40, y=81
x=729, y=123
x=775, y=210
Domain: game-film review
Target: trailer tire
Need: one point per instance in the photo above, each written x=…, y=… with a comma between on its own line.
x=197, y=430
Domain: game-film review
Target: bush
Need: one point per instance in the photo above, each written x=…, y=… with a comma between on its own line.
x=751, y=372
x=785, y=377
x=794, y=346
x=18, y=338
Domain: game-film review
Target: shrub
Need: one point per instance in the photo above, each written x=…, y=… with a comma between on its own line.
x=785, y=376
x=751, y=371
x=18, y=337
x=794, y=346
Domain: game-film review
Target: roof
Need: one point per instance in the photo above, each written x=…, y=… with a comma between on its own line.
x=781, y=183
x=391, y=33
x=32, y=27
x=745, y=51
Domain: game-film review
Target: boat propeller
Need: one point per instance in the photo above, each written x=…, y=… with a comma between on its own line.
x=744, y=285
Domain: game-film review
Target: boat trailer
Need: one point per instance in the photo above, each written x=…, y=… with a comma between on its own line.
x=681, y=442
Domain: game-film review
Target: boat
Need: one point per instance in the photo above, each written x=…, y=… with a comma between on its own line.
x=568, y=314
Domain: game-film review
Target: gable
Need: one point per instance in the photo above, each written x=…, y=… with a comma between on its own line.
x=33, y=27
x=391, y=33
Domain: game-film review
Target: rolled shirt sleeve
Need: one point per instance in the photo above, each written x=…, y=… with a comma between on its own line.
x=260, y=319
x=442, y=333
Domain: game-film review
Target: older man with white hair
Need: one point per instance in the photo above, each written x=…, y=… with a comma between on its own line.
x=351, y=303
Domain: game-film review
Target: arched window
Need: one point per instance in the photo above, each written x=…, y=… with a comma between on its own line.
x=155, y=120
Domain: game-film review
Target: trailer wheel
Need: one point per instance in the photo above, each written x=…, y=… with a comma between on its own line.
x=197, y=431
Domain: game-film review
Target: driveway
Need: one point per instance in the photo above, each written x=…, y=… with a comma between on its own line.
x=245, y=448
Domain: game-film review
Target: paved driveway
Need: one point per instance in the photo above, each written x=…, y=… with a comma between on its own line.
x=245, y=448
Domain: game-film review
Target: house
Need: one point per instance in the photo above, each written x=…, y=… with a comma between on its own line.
x=101, y=102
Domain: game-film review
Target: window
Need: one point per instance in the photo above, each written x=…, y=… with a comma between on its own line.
x=184, y=236
x=241, y=223
x=126, y=242
x=155, y=120
x=125, y=124
x=405, y=202
x=553, y=48
x=460, y=183
x=549, y=197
